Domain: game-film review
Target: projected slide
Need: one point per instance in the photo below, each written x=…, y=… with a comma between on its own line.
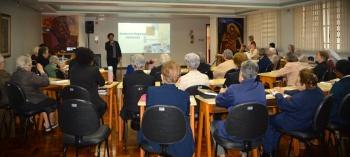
x=144, y=37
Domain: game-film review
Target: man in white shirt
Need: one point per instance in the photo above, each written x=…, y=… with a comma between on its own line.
x=193, y=77
x=229, y=64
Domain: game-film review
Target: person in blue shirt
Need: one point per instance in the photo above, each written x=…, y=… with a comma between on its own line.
x=249, y=90
x=297, y=112
x=169, y=94
x=130, y=69
x=340, y=89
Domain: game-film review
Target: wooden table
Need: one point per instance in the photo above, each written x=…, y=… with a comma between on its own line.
x=268, y=78
x=193, y=103
x=110, y=96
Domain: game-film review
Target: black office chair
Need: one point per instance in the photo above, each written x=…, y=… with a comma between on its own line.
x=344, y=112
x=311, y=58
x=164, y=125
x=131, y=99
x=80, y=125
x=5, y=125
x=193, y=90
x=247, y=122
x=75, y=92
x=23, y=107
x=319, y=124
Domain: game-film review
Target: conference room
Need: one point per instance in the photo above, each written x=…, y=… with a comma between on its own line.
x=175, y=78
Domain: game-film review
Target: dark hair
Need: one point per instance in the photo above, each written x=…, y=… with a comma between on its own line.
x=42, y=50
x=324, y=55
x=262, y=52
x=42, y=45
x=272, y=45
x=84, y=56
x=291, y=57
x=343, y=67
x=110, y=34
x=308, y=78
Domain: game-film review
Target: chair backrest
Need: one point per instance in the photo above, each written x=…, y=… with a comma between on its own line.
x=247, y=121
x=75, y=92
x=132, y=96
x=344, y=109
x=78, y=117
x=321, y=117
x=193, y=90
x=164, y=124
x=15, y=95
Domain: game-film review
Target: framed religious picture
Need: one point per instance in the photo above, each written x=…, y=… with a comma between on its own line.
x=230, y=34
x=5, y=35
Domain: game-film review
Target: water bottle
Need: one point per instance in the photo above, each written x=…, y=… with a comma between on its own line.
x=110, y=74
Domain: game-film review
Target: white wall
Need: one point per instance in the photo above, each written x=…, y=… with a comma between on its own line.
x=25, y=30
x=287, y=29
x=179, y=36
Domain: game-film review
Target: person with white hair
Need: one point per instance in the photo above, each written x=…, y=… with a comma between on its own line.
x=156, y=71
x=248, y=90
x=31, y=84
x=138, y=77
x=228, y=64
x=193, y=77
x=271, y=52
x=52, y=69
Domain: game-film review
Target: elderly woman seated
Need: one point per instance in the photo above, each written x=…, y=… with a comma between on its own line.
x=193, y=77
x=54, y=68
x=291, y=70
x=264, y=63
x=227, y=65
x=249, y=90
x=156, y=71
x=297, y=112
x=31, y=84
x=232, y=76
x=138, y=77
x=169, y=94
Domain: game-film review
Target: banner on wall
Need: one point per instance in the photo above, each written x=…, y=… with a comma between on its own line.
x=60, y=32
x=230, y=34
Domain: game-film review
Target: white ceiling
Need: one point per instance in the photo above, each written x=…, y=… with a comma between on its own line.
x=152, y=8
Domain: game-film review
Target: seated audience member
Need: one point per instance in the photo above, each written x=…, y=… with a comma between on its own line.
x=53, y=69
x=31, y=84
x=4, y=77
x=276, y=59
x=273, y=45
x=301, y=56
x=253, y=52
x=138, y=77
x=271, y=52
x=204, y=67
x=251, y=41
x=43, y=56
x=340, y=89
x=243, y=49
x=296, y=113
x=169, y=94
x=130, y=68
x=193, y=77
x=321, y=67
x=225, y=66
x=85, y=75
x=291, y=48
x=156, y=71
x=249, y=90
x=291, y=70
x=232, y=76
x=264, y=63
x=34, y=55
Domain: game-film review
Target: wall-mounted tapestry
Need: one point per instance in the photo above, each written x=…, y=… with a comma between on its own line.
x=230, y=34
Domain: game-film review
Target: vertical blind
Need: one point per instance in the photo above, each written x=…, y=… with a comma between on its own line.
x=322, y=25
x=264, y=26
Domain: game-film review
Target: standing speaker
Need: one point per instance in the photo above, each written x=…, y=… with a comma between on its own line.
x=89, y=26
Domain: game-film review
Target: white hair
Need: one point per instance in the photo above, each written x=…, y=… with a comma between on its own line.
x=192, y=60
x=249, y=69
x=164, y=58
x=138, y=61
x=24, y=62
x=228, y=54
x=54, y=59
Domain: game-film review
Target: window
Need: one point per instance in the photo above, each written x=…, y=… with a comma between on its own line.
x=264, y=27
x=322, y=25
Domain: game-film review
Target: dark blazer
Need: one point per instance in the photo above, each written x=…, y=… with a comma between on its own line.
x=298, y=111
x=135, y=78
x=264, y=64
x=156, y=73
x=247, y=91
x=320, y=70
x=43, y=61
x=4, y=77
x=109, y=50
x=205, y=69
x=339, y=90
x=90, y=78
x=231, y=77
x=169, y=94
x=31, y=84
